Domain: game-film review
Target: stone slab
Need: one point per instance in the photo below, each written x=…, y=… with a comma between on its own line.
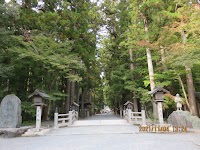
x=10, y=110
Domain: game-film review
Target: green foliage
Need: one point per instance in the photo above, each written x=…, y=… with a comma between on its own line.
x=169, y=103
x=57, y=96
x=143, y=95
x=165, y=20
x=28, y=111
x=47, y=47
x=60, y=42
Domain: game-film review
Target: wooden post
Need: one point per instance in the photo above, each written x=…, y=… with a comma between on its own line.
x=55, y=120
x=160, y=112
x=143, y=117
x=38, y=117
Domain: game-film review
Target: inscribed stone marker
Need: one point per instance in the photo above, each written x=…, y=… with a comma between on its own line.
x=10, y=112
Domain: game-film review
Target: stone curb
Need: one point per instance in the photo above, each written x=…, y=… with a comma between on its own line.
x=13, y=132
x=32, y=132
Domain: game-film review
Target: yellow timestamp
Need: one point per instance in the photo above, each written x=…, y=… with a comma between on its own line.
x=158, y=128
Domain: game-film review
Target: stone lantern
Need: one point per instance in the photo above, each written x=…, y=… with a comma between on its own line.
x=75, y=106
x=38, y=98
x=158, y=93
x=129, y=105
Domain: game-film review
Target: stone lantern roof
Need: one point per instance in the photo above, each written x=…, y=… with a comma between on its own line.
x=75, y=104
x=158, y=89
x=128, y=102
x=40, y=94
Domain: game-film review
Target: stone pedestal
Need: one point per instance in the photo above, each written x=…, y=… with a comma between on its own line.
x=184, y=118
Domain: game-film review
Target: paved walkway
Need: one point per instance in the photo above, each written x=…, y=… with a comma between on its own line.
x=104, y=137
x=101, y=119
x=104, y=116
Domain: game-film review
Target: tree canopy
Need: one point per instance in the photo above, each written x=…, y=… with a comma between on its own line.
x=59, y=47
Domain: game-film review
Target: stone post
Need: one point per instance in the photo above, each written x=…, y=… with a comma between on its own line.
x=121, y=113
x=160, y=112
x=70, y=118
x=56, y=120
x=38, y=117
x=143, y=117
x=129, y=115
x=76, y=114
x=124, y=113
x=88, y=113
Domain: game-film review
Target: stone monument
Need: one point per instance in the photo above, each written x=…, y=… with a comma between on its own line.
x=10, y=112
x=178, y=101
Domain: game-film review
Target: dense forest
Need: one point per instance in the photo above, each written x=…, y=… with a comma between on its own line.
x=100, y=52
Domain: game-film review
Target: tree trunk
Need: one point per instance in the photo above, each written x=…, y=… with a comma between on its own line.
x=132, y=67
x=131, y=59
x=67, y=100
x=82, y=112
x=162, y=52
x=151, y=72
x=185, y=95
x=77, y=93
x=72, y=95
x=152, y=83
x=150, y=68
x=49, y=110
x=72, y=90
x=190, y=84
x=90, y=100
x=191, y=94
